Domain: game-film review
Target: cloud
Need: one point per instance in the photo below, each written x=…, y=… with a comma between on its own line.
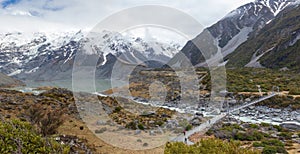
x=86, y=14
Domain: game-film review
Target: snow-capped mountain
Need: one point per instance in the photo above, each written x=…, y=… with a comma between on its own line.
x=235, y=28
x=19, y=52
x=50, y=56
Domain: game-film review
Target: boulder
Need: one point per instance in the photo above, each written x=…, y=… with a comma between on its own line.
x=100, y=122
x=291, y=125
x=151, y=133
x=137, y=132
x=298, y=118
x=196, y=122
x=247, y=100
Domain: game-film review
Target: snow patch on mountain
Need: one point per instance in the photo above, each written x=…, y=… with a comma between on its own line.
x=275, y=6
x=26, y=53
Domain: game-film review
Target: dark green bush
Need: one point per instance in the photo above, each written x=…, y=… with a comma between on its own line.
x=131, y=125
x=273, y=150
x=269, y=150
x=21, y=137
x=208, y=146
x=159, y=123
x=118, y=109
x=279, y=128
x=286, y=135
x=254, y=126
x=258, y=144
x=188, y=127
x=249, y=136
x=141, y=126
x=273, y=142
x=265, y=124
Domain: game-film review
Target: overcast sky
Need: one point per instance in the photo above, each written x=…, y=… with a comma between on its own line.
x=38, y=15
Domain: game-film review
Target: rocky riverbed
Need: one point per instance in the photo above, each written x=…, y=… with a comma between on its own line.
x=258, y=114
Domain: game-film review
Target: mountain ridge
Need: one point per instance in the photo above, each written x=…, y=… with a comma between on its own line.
x=235, y=28
x=275, y=46
x=50, y=56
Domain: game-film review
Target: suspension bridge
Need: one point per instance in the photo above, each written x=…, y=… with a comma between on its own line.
x=204, y=127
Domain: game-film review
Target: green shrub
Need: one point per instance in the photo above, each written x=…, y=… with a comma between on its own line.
x=273, y=150
x=279, y=128
x=294, y=91
x=208, y=146
x=258, y=144
x=231, y=127
x=141, y=126
x=286, y=135
x=159, y=123
x=253, y=126
x=20, y=137
x=118, y=109
x=265, y=124
x=131, y=125
x=273, y=142
x=188, y=127
x=210, y=132
x=249, y=136
x=269, y=150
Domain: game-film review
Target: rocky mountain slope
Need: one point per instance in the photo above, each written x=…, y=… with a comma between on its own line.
x=50, y=56
x=235, y=28
x=6, y=81
x=275, y=46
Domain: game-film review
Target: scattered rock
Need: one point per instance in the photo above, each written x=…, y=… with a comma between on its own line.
x=196, y=122
x=291, y=126
x=151, y=133
x=137, y=132
x=248, y=100
x=99, y=131
x=100, y=122
x=298, y=118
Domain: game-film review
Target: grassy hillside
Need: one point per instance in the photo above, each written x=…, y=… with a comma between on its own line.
x=247, y=79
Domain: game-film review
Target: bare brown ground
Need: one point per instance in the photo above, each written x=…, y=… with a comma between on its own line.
x=72, y=127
